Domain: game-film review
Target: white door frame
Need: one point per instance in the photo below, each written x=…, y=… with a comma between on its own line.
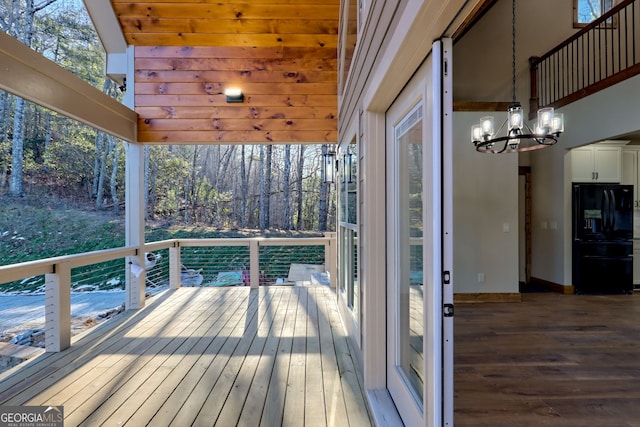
x=431, y=85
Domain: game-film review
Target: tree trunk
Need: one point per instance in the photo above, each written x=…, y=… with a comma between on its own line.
x=244, y=188
x=299, y=186
x=113, y=145
x=17, y=147
x=286, y=214
x=153, y=174
x=16, y=187
x=105, y=146
x=267, y=186
x=263, y=191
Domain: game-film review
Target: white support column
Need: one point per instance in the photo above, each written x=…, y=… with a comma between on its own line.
x=174, y=266
x=254, y=262
x=134, y=229
x=58, y=308
x=134, y=202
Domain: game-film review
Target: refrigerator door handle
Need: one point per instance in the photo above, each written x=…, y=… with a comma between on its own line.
x=612, y=210
x=605, y=211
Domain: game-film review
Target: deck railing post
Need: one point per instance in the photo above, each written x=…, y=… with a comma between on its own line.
x=254, y=262
x=331, y=257
x=174, y=266
x=58, y=308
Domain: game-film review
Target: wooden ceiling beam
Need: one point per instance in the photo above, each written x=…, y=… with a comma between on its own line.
x=31, y=76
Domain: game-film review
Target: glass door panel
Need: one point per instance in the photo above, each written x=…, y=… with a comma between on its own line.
x=409, y=275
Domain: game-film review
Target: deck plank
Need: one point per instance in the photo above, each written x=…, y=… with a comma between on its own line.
x=144, y=370
x=199, y=394
x=190, y=337
x=102, y=368
x=58, y=365
x=314, y=408
x=183, y=365
x=334, y=398
x=294, y=401
x=256, y=397
x=274, y=402
x=227, y=398
x=351, y=388
x=193, y=356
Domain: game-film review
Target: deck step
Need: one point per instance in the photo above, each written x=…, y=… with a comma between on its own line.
x=14, y=354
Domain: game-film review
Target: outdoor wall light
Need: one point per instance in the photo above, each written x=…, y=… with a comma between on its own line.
x=329, y=166
x=234, y=95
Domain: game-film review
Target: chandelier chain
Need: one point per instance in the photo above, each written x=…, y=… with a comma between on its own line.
x=513, y=49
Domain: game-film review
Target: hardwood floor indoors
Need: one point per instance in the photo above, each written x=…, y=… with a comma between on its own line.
x=551, y=360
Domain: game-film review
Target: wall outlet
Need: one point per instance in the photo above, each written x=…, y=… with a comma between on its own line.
x=480, y=277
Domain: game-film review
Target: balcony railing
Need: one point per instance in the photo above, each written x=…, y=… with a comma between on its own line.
x=603, y=53
x=259, y=261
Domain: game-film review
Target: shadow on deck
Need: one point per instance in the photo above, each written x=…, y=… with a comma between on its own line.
x=204, y=356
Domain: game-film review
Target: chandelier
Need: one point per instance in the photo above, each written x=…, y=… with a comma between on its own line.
x=514, y=134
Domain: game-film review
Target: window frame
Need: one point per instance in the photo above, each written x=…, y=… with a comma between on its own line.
x=604, y=9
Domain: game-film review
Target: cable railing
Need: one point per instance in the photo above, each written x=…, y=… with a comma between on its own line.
x=603, y=53
x=170, y=264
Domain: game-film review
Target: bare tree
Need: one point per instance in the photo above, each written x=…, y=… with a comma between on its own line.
x=263, y=191
x=26, y=36
x=286, y=183
x=299, y=186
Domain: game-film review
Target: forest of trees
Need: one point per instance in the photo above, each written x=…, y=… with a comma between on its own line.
x=239, y=186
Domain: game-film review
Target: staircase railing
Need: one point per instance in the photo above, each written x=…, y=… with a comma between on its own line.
x=603, y=53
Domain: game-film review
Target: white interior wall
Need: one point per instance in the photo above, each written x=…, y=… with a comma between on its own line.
x=607, y=114
x=482, y=67
x=485, y=201
x=482, y=58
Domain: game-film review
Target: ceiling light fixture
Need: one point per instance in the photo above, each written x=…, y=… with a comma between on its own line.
x=234, y=95
x=515, y=135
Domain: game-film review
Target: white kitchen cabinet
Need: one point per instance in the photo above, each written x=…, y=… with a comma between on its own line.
x=631, y=172
x=596, y=163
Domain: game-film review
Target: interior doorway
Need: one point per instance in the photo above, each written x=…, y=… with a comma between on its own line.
x=524, y=230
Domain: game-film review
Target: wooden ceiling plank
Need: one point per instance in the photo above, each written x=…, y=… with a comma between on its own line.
x=235, y=77
x=225, y=10
x=208, y=52
x=287, y=2
x=253, y=100
x=329, y=41
x=240, y=137
x=234, y=112
x=233, y=64
x=260, y=125
x=247, y=88
x=229, y=26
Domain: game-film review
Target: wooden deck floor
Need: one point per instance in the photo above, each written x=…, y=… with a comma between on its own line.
x=552, y=360
x=276, y=356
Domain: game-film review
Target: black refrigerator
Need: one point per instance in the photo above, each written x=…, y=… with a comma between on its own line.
x=602, y=238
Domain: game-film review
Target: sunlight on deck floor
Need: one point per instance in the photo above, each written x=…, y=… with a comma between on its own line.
x=272, y=356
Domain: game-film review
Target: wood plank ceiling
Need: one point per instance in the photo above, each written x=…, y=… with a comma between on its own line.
x=281, y=53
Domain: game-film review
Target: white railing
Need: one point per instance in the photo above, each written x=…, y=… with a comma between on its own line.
x=58, y=280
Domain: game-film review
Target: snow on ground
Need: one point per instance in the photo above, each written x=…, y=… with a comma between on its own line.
x=20, y=312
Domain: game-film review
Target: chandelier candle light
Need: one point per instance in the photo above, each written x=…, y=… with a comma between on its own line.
x=514, y=135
